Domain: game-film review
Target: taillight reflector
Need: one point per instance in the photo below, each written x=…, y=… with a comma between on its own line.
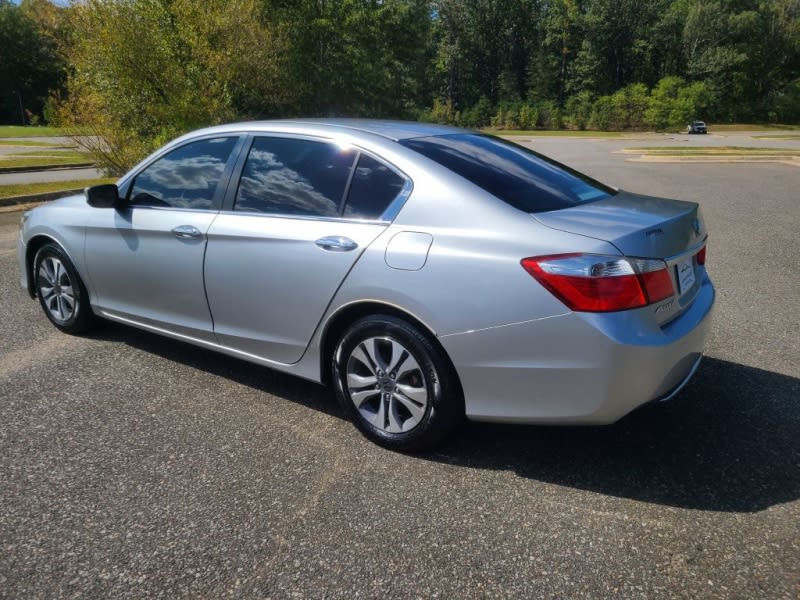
x=657, y=284
x=592, y=283
x=701, y=256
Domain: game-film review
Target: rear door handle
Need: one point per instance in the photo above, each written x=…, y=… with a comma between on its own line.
x=187, y=232
x=336, y=243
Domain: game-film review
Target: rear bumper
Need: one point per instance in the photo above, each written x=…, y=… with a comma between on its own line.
x=687, y=378
x=578, y=368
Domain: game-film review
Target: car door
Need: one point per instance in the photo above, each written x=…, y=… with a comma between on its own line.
x=303, y=212
x=145, y=259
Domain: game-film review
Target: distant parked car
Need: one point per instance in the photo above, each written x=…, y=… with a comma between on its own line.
x=427, y=273
x=697, y=127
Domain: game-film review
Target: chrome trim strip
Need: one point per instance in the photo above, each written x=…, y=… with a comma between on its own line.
x=399, y=201
x=671, y=260
x=247, y=213
x=193, y=340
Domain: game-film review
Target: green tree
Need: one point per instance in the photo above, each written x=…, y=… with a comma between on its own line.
x=145, y=71
x=31, y=66
x=774, y=63
x=618, y=45
x=484, y=48
x=142, y=71
x=358, y=57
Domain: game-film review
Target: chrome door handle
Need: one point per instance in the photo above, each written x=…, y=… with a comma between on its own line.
x=187, y=232
x=336, y=243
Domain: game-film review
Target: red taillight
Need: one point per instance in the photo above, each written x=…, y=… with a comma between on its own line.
x=657, y=284
x=701, y=256
x=592, y=283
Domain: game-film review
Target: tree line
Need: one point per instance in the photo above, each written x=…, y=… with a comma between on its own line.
x=138, y=72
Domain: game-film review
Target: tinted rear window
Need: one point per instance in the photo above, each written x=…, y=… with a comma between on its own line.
x=520, y=177
x=372, y=189
x=288, y=176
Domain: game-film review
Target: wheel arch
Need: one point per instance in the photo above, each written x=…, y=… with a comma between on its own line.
x=349, y=314
x=31, y=248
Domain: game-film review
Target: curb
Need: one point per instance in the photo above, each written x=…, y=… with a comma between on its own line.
x=35, y=198
x=46, y=168
x=793, y=161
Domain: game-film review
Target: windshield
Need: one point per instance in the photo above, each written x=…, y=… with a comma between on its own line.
x=520, y=177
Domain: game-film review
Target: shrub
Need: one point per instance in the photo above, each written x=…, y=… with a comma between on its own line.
x=602, y=113
x=786, y=106
x=663, y=97
x=528, y=116
x=478, y=115
x=629, y=106
x=442, y=112
x=578, y=110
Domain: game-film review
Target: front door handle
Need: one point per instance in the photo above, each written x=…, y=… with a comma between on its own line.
x=187, y=232
x=336, y=243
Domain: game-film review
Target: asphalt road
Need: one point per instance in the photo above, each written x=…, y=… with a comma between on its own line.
x=134, y=466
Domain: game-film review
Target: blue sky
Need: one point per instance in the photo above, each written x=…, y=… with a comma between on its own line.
x=57, y=2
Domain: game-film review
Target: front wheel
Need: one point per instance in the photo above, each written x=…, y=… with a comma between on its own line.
x=395, y=385
x=61, y=292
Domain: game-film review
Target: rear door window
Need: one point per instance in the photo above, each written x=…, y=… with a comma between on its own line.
x=520, y=177
x=288, y=176
x=372, y=189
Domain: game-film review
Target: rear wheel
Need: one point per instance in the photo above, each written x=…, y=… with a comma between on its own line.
x=395, y=385
x=61, y=292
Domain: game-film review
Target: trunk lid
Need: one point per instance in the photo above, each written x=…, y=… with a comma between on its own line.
x=637, y=225
x=645, y=227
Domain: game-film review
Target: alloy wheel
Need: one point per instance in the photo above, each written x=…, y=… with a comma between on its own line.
x=386, y=384
x=56, y=290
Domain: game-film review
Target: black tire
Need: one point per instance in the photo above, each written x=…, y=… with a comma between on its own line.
x=423, y=369
x=51, y=265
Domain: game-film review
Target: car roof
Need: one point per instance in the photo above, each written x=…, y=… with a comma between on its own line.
x=391, y=130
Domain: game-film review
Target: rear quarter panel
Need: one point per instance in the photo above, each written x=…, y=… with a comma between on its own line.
x=472, y=278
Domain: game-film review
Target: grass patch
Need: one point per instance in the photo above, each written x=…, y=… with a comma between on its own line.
x=7, y=131
x=73, y=154
x=42, y=158
x=711, y=151
x=732, y=127
x=41, y=162
x=777, y=137
x=25, y=189
x=32, y=143
x=559, y=133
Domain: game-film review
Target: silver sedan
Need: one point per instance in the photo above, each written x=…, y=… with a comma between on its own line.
x=426, y=273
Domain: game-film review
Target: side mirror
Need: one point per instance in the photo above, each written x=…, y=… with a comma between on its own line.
x=103, y=196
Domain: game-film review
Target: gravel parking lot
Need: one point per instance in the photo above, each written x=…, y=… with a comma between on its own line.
x=135, y=466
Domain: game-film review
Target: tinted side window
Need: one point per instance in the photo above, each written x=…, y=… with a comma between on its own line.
x=294, y=177
x=520, y=177
x=187, y=177
x=372, y=189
